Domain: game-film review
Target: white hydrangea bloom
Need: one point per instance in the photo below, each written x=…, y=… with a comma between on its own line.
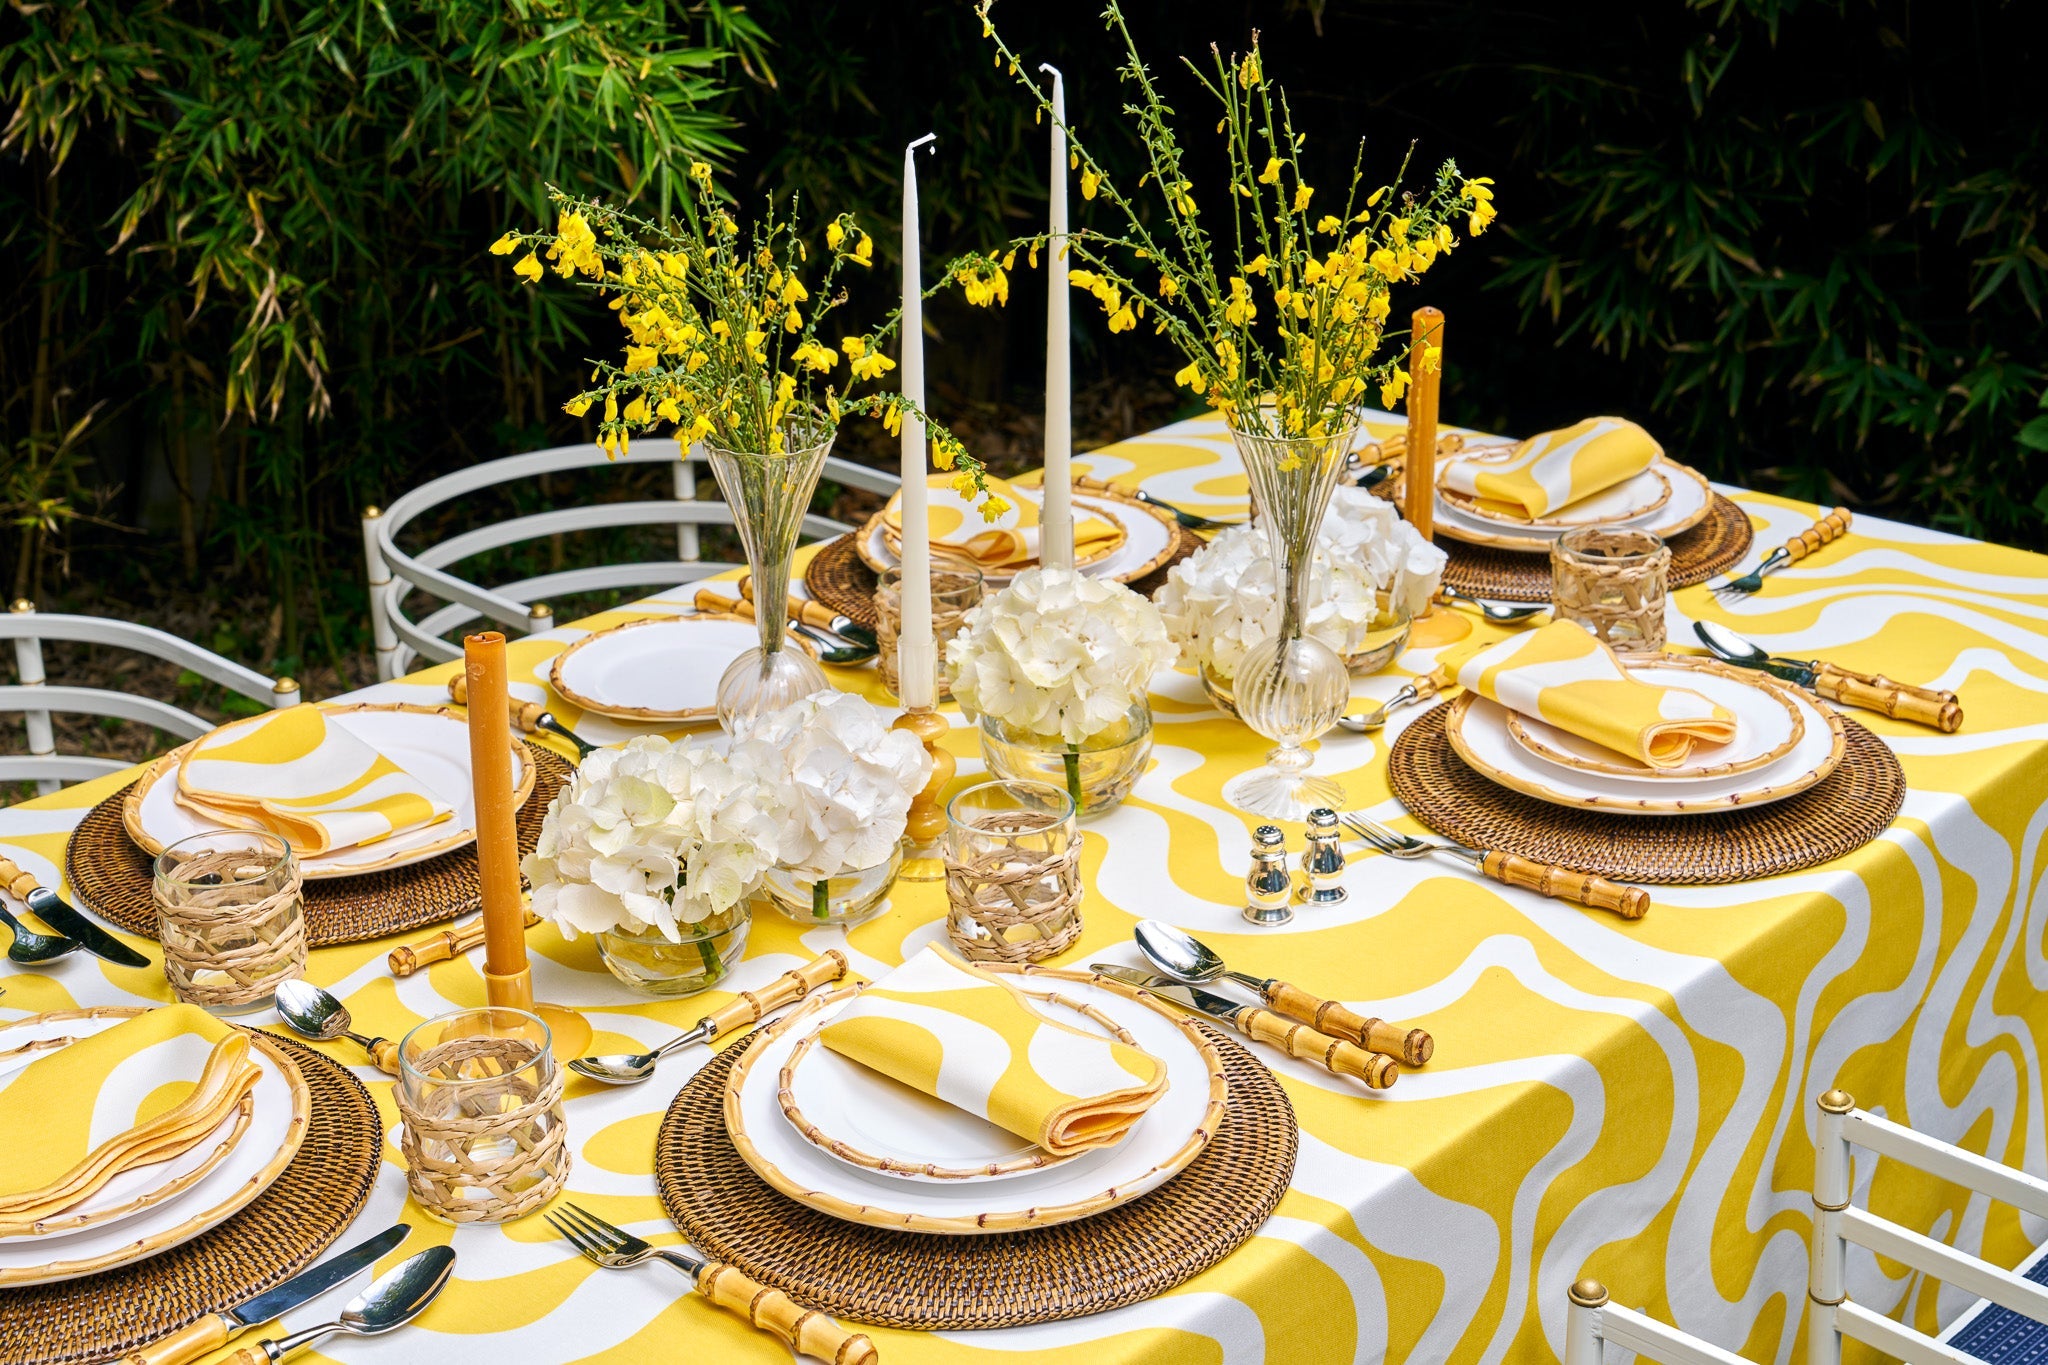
x=849, y=777
x=1222, y=601
x=1057, y=653
x=652, y=834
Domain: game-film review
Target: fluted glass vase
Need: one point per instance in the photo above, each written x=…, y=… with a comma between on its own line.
x=1291, y=687
x=769, y=491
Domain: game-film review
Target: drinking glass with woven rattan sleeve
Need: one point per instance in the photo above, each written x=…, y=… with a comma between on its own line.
x=1612, y=581
x=1013, y=872
x=956, y=590
x=231, y=918
x=480, y=1097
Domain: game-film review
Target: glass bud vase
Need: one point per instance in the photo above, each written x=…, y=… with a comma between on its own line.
x=768, y=493
x=1291, y=687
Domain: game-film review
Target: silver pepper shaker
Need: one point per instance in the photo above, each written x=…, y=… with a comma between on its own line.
x=1269, y=886
x=1323, y=860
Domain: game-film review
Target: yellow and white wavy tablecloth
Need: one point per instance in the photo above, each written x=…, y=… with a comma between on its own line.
x=1632, y=1101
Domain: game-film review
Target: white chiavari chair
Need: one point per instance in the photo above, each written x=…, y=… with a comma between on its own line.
x=394, y=573
x=1592, y=1321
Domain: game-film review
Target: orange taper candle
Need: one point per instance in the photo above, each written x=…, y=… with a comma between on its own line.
x=1418, y=479
x=507, y=979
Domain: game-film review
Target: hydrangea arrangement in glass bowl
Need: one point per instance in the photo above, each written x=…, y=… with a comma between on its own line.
x=1371, y=573
x=654, y=848
x=846, y=781
x=1056, y=667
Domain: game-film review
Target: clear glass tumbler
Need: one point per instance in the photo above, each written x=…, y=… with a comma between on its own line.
x=1013, y=871
x=956, y=590
x=480, y=1097
x=1613, y=581
x=231, y=919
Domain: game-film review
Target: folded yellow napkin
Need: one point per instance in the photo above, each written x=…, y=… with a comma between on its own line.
x=1564, y=675
x=1557, y=468
x=128, y=1089
x=312, y=784
x=1008, y=543
x=975, y=1041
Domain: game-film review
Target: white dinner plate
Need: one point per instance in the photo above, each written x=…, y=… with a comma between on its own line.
x=429, y=742
x=1767, y=725
x=1630, y=500
x=1691, y=498
x=1170, y=1134
x=1148, y=536
x=1478, y=730
x=658, y=668
x=280, y=1107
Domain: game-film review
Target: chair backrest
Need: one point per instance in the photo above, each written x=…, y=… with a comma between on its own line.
x=1831, y=1314
x=395, y=573
x=1592, y=1321
x=37, y=699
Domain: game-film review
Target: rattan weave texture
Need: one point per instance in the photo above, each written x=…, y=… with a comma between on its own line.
x=837, y=577
x=927, y=1282
x=303, y=1212
x=112, y=875
x=1850, y=807
x=1715, y=544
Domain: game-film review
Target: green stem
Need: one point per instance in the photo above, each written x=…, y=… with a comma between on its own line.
x=821, y=898
x=1073, y=760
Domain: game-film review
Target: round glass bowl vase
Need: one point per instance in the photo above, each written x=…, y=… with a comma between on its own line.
x=650, y=962
x=846, y=899
x=1097, y=774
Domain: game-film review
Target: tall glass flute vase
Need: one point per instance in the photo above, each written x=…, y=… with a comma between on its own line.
x=1291, y=687
x=769, y=492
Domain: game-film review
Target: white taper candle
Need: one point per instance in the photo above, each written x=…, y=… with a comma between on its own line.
x=1056, y=530
x=916, y=649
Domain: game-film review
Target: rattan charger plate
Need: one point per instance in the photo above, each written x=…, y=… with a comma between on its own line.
x=112, y=875
x=1852, y=806
x=839, y=578
x=1005, y=1279
x=287, y=1227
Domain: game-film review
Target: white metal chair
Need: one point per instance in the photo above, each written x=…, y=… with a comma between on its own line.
x=395, y=573
x=1592, y=1321
x=1831, y=1315
x=37, y=699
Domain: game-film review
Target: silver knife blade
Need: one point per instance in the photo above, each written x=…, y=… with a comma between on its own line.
x=1218, y=1007
x=311, y=1284
x=52, y=910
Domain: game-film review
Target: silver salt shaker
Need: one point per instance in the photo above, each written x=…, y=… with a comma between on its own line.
x=1269, y=886
x=1322, y=862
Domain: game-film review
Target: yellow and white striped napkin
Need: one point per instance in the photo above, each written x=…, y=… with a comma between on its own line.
x=1557, y=468
x=975, y=1041
x=122, y=1088
x=1564, y=675
x=313, y=784
x=1008, y=543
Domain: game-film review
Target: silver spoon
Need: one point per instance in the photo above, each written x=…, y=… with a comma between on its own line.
x=546, y=721
x=313, y=1013
x=30, y=946
x=1504, y=615
x=392, y=1300
x=633, y=1068
x=1420, y=689
x=1186, y=958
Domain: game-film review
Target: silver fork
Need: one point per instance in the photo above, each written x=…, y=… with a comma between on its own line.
x=804, y=1330
x=1583, y=888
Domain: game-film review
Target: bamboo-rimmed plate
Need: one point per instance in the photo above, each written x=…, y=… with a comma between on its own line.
x=281, y=1108
x=1767, y=724
x=662, y=668
x=892, y=539
x=1690, y=501
x=429, y=742
x=1635, y=497
x=1478, y=731
x=1150, y=538
x=833, y=1103
x=1170, y=1135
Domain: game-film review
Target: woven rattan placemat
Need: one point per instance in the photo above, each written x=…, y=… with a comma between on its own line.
x=1850, y=807
x=837, y=577
x=302, y=1213
x=928, y=1282
x=112, y=875
x=1720, y=539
